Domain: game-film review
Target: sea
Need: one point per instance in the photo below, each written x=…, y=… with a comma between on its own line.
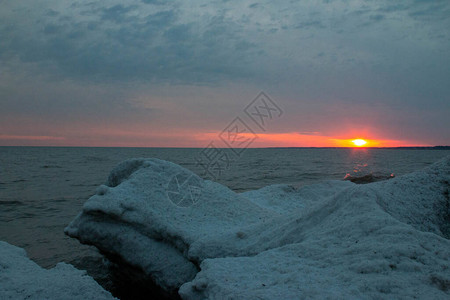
x=43, y=188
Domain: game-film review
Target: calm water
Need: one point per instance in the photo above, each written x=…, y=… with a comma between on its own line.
x=43, y=189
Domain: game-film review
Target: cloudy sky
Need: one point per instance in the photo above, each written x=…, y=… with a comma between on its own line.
x=151, y=73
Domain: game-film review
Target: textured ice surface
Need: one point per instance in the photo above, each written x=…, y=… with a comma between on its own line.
x=21, y=278
x=133, y=217
x=387, y=239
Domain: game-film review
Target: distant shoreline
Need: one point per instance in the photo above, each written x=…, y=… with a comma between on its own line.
x=391, y=148
x=112, y=147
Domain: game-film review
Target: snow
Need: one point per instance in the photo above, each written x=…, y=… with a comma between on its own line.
x=137, y=221
x=284, y=198
x=21, y=278
x=387, y=239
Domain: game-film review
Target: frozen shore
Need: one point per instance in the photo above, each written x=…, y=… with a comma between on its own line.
x=387, y=239
x=21, y=278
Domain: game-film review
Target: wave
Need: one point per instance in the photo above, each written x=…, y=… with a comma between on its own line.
x=51, y=167
x=11, y=202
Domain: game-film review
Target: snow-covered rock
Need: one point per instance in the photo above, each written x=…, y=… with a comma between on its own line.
x=381, y=240
x=21, y=278
x=143, y=216
x=334, y=239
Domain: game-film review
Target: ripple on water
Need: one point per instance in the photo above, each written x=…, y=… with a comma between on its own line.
x=19, y=180
x=51, y=167
x=11, y=202
x=90, y=158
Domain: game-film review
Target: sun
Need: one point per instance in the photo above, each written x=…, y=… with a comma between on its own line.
x=359, y=142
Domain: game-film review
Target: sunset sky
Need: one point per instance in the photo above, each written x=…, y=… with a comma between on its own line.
x=155, y=74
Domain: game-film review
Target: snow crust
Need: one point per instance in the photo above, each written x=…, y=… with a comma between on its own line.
x=387, y=239
x=21, y=278
x=137, y=221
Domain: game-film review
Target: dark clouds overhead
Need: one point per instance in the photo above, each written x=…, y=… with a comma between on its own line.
x=128, y=40
x=196, y=41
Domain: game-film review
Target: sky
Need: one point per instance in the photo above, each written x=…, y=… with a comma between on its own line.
x=153, y=73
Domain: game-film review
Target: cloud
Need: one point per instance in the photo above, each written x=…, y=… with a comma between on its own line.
x=202, y=41
x=33, y=138
x=134, y=40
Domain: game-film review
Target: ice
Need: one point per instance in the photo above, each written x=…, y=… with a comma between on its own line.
x=387, y=239
x=133, y=217
x=21, y=278
x=284, y=199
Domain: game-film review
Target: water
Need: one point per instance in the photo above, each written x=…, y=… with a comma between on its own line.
x=42, y=189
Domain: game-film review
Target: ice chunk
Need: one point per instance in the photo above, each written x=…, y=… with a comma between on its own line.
x=420, y=199
x=284, y=199
x=143, y=217
x=21, y=278
x=383, y=239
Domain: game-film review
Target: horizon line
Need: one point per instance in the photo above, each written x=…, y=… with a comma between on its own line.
x=272, y=147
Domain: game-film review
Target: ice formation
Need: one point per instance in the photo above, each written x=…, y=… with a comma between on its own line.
x=336, y=238
x=21, y=278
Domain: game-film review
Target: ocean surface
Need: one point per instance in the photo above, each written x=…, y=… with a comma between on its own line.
x=43, y=188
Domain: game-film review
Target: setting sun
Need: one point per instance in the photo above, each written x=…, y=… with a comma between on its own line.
x=359, y=142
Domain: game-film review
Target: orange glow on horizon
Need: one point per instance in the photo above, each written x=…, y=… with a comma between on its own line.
x=367, y=143
x=295, y=139
x=359, y=142
x=143, y=137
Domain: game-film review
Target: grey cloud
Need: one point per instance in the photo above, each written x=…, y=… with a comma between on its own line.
x=154, y=46
x=117, y=13
x=435, y=10
x=52, y=29
x=51, y=13
x=309, y=24
x=156, y=2
x=377, y=17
